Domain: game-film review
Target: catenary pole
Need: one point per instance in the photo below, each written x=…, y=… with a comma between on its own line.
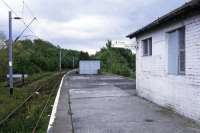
x=60, y=64
x=10, y=55
x=73, y=62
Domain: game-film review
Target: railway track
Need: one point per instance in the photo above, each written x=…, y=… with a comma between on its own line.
x=17, y=108
x=48, y=88
x=44, y=108
x=20, y=83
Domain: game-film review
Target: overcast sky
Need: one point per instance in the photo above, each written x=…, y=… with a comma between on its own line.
x=84, y=24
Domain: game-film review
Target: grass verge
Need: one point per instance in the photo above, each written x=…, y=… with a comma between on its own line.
x=25, y=118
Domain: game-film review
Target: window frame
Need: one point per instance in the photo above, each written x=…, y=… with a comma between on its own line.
x=148, y=50
x=180, y=50
x=182, y=29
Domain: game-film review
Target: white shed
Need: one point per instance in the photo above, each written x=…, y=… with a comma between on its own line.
x=89, y=66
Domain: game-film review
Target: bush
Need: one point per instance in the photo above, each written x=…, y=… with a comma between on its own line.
x=117, y=60
x=38, y=56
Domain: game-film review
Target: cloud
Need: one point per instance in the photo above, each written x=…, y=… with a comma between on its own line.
x=85, y=24
x=83, y=27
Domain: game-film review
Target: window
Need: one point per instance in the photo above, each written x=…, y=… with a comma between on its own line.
x=176, y=51
x=147, y=47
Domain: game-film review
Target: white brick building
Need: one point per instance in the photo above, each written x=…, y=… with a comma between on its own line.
x=168, y=60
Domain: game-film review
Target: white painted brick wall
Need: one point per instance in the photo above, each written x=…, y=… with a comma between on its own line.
x=181, y=93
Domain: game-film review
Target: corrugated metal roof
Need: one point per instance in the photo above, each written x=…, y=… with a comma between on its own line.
x=182, y=11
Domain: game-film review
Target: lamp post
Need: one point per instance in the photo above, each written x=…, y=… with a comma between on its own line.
x=10, y=53
x=73, y=62
x=60, y=58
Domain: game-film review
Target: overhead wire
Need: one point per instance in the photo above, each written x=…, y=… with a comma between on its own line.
x=25, y=5
x=7, y=5
x=24, y=30
x=22, y=11
x=30, y=11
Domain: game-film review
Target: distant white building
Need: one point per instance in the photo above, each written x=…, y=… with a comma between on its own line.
x=89, y=66
x=168, y=60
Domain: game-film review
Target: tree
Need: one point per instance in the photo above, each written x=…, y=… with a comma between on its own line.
x=84, y=55
x=109, y=44
x=3, y=67
x=38, y=56
x=117, y=60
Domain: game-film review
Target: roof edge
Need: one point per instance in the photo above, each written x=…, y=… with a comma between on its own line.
x=179, y=11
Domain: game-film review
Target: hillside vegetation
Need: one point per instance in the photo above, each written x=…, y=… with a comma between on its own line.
x=117, y=60
x=32, y=100
x=28, y=109
x=38, y=56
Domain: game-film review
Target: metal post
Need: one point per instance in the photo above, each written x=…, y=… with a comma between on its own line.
x=111, y=62
x=73, y=62
x=10, y=55
x=60, y=64
x=110, y=59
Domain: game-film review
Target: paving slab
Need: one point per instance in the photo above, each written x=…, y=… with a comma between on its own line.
x=109, y=104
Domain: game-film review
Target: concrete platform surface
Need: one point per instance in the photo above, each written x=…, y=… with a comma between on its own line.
x=60, y=121
x=108, y=104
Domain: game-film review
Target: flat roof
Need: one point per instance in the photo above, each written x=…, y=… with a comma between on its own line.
x=181, y=12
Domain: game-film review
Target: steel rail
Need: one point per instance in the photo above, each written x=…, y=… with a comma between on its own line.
x=21, y=105
x=46, y=104
x=18, y=107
